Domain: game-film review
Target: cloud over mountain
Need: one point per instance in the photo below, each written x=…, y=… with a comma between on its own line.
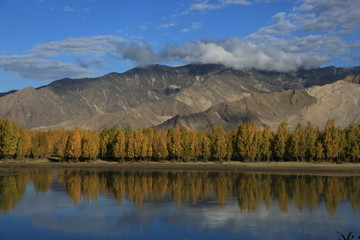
x=234, y=52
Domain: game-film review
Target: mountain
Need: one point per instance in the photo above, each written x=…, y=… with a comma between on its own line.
x=156, y=94
x=339, y=101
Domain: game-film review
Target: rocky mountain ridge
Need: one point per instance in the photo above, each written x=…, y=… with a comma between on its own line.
x=156, y=94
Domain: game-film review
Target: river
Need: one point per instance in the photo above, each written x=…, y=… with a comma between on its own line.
x=186, y=205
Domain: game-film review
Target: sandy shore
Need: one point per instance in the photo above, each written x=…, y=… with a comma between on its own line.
x=272, y=167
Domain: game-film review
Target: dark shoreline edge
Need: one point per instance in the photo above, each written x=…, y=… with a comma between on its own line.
x=254, y=167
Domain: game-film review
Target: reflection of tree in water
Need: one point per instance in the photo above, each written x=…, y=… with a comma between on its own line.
x=42, y=179
x=12, y=188
x=248, y=192
x=353, y=185
x=251, y=190
x=73, y=186
x=282, y=193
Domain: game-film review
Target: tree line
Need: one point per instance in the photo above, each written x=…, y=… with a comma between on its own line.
x=247, y=142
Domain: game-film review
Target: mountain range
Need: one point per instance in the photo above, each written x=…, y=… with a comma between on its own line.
x=195, y=96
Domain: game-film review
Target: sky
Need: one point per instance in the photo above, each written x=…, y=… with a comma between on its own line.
x=46, y=40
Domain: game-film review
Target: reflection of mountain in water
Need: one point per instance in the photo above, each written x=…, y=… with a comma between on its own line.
x=251, y=190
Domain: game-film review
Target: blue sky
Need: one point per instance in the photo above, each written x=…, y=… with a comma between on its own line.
x=46, y=40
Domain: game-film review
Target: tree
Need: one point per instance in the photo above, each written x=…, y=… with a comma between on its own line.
x=193, y=149
x=139, y=145
x=311, y=136
x=229, y=145
x=219, y=145
x=145, y=152
x=41, y=145
x=319, y=149
x=281, y=139
x=119, y=147
x=332, y=140
x=73, y=145
x=297, y=144
x=265, y=145
x=60, y=144
x=149, y=138
x=159, y=145
x=248, y=138
x=90, y=145
x=107, y=137
x=352, y=148
x=130, y=146
x=204, y=145
x=175, y=145
x=9, y=138
x=23, y=149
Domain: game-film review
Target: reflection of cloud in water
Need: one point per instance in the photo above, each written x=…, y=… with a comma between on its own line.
x=54, y=210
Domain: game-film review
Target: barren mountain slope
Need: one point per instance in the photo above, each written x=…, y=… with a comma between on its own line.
x=67, y=99
x=339, y=101
x=261, y=108
x=147, y=96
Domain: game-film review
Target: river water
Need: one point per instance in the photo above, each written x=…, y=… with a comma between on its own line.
x=82, y=204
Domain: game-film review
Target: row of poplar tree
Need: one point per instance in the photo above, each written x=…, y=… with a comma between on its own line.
x=246, y=143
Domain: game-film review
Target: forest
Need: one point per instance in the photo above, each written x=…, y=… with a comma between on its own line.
x=246, y=143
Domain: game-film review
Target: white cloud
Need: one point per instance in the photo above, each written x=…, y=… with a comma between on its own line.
x=207, y=5
x=68, y=9
x=29, y=67
x=238, y=54
x=143, y=27
x=312, y=26
x=168, y=25
x=94, y=45
x=92, y=53
x=194, y=26
x=141, y=53
x=328, y=15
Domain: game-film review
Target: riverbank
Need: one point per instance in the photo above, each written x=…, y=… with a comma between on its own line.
x=271, y=167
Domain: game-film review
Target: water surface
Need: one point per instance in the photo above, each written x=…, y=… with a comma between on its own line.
x=81, y=204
